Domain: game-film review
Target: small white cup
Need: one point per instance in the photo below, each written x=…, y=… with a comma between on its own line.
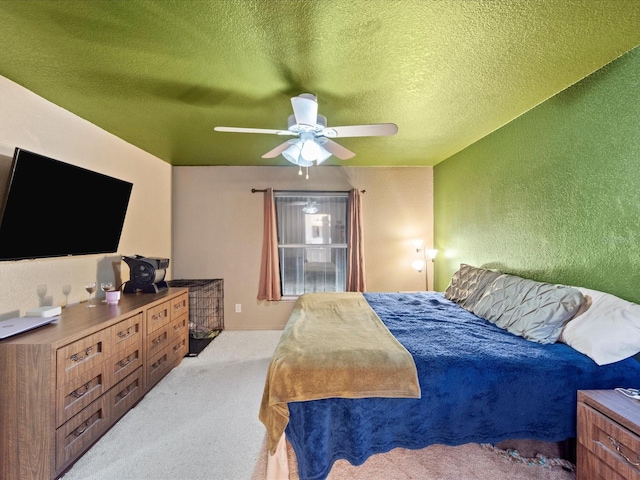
x=113, y=297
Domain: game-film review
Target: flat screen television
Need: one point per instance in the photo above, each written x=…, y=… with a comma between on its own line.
x=53, y=209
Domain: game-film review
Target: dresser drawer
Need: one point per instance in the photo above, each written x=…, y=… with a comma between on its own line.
x=591, y=468
x=158, y=340
x=124, y=362
x=158, y=316
x=179, y=306
x=165, y=360
x=610, y=443
x=80, y=392
x=127, y=332
x=81, y=356
x=158, y=366
x=75, y=436
x=179, y=348
x=180, y=327
x=124, y=395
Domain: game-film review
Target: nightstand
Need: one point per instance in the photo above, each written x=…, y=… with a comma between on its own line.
x=608, y=440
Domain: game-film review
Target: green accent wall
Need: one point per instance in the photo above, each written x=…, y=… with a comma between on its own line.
x=555, y=194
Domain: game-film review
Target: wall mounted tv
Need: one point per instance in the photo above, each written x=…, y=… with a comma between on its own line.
x=54, y=209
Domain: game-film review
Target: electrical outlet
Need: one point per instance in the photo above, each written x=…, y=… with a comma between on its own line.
x=238, y=307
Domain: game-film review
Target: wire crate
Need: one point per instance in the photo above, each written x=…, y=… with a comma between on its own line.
x=206, y=311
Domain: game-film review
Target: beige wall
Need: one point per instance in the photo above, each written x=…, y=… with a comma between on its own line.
x=217, y=229
x=30, y=122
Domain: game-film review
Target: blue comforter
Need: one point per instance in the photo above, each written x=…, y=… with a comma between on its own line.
x=479, y=384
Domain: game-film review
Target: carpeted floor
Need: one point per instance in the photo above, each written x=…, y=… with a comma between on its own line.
x=439, y=462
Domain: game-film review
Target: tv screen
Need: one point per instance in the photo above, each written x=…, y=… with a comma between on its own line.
x=53, y=209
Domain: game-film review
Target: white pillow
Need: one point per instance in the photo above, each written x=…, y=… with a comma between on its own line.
x=609, y=331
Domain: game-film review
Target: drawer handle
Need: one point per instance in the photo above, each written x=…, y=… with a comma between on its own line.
x=160, y=361
x=124, y=362
x=81, y=429
x=122, y=334
x=619, y=450
x=159, y=340
x=81, y=391
x=76, y=357
x=125, y=392
x=159, y=316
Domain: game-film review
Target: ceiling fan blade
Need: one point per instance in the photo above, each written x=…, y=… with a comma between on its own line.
x=277, y=151
x=305, y=109
x=338, y=150
x=374, y=130
x=253, y=130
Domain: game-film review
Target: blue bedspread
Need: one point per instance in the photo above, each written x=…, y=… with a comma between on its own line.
x=479, y=384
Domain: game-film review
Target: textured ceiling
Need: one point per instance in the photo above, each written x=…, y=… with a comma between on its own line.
x=161, y=74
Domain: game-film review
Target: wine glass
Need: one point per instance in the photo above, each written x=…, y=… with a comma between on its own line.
x=90, y=287
x=42, y=291
x=104, y=286
x=66, y=290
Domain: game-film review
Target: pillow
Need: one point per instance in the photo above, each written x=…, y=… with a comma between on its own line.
x=468, y=284
x=534, y=310
x=608, y=332
x=583, y=308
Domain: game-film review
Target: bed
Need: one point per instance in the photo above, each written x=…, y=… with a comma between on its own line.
x=474, y=379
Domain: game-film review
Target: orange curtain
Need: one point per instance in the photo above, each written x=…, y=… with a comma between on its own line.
x=269, y=288
x=355, y=244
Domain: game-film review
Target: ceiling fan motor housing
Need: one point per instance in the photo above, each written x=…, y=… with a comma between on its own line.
x=146, y=274
x=320, y=125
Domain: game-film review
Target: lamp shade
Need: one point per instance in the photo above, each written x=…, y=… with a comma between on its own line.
x=306, y=150
x=310, y=150
x=324, y=154
x=418, y=265
x=292, y=154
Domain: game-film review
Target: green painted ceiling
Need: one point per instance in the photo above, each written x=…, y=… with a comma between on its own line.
x=161, y=74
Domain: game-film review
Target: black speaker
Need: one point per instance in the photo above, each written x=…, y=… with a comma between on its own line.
x=147, y=274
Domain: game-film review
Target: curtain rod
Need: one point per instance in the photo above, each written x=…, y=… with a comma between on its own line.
x=254, y=190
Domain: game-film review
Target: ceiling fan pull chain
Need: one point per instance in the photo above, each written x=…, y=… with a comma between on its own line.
x=307, y=173
x=299, y=169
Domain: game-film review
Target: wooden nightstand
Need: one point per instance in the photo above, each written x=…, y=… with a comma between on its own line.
x=608, y=436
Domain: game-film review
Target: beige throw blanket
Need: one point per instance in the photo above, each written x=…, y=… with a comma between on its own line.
x=334, y=345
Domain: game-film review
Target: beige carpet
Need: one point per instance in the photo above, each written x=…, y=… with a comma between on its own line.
x=438, y=462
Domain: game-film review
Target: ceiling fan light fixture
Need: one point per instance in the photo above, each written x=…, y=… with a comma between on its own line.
x=324, y=154
x=310, y=150
x=310, y=208
x=292, y=153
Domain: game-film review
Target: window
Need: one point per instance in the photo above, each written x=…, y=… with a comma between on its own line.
x=312, y=241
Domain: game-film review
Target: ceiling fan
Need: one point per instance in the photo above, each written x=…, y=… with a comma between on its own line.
x=313, y=142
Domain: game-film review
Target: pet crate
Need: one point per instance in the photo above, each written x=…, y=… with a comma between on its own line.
x=206, y=311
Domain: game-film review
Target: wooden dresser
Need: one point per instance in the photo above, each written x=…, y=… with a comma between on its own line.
x=63, y=385
x=608, y=436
